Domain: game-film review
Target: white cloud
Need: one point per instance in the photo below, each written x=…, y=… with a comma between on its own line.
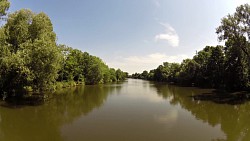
x=170, y=35
x=134, y=64
x=155, y=58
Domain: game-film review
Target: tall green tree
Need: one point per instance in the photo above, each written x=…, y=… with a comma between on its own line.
x=42, y=28
x=216, y=68
x=188, y=71
x=17, y=28
x=44, y=62
x=112, y=75
x=160, y=74
x=4, y=6
x=14, y=73
x=203, y=72
x=174, y=72
x=235, y=31
x=73, y=66
x=119, y=75
x=144, y=74
x=94, y=73
x=236, y=67
x=236, y=28
x=29, y=61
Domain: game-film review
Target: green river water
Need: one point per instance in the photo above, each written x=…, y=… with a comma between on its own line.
x=135, y=110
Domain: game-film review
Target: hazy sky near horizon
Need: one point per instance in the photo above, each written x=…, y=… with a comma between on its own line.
x=135, y=35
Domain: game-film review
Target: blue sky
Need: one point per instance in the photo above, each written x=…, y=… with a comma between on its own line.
x=134, y=35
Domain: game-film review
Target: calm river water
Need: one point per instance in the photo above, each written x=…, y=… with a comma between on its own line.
x=135, y=110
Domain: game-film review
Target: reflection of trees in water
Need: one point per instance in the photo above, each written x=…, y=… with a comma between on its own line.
x=234, y=120
x=44, y=122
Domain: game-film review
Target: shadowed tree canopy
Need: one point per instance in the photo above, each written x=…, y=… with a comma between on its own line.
x=235, y=31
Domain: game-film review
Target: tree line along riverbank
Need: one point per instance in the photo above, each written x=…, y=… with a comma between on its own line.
x=224, y=67
x=31, y=59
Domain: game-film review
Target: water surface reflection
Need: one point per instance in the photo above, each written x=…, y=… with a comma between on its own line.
x=232, y=119
x=134, y=110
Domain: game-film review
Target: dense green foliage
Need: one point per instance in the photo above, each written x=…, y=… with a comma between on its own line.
x=4, y=6
x=226, y=67
x=80, y=66
x=31, y=60
x=206, y=69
